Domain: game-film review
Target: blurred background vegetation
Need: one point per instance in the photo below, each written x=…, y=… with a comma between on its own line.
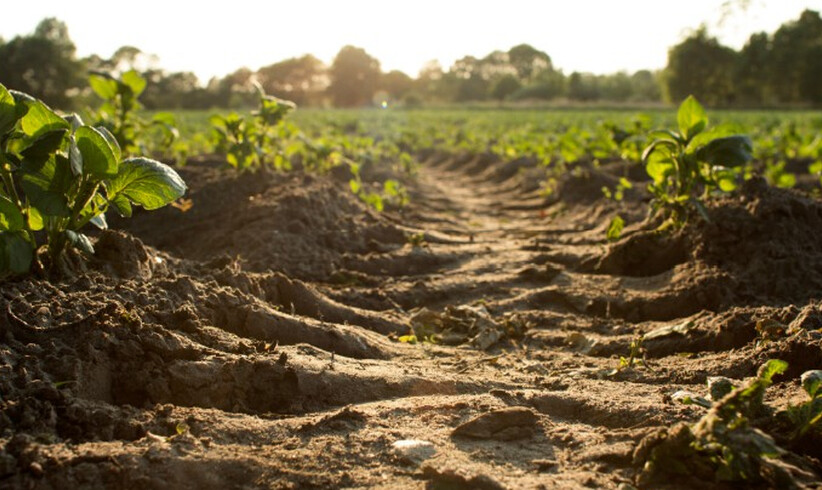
x=782, y=69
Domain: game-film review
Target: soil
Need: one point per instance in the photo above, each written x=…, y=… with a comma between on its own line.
x=253, y=341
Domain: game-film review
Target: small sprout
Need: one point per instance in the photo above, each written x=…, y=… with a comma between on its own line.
x=182, y=428
x=687, y=165
x=615, y=228
x=636, y=355
x=811, y=381
x=416, y=240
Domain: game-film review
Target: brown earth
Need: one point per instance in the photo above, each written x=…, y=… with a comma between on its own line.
x=252, y=341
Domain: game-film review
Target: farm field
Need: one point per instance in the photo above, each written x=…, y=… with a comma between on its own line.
x=435, y=299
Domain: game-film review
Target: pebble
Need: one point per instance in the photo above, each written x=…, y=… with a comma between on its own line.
x=414, y=451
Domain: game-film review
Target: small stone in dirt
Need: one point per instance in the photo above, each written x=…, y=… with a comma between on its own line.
x=36, y=469
x=544, y=464
x=345, y=419
x=580, y=343
x=545, y=273
x=413, y=451
x=459, y=478
x=506, y=424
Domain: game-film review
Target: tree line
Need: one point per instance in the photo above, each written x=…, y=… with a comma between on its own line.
x=779, y=69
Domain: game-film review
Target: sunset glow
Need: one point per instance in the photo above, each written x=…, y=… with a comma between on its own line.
x=586, y=35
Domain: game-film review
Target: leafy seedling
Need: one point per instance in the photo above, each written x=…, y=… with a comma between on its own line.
x=722, y=445
x=636, y=355
x=59, y=175
x=251, y=142
x=805, y=417
x=615, y=228
x=688, y=164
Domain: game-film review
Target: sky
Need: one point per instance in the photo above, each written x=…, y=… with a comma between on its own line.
x=215, y=38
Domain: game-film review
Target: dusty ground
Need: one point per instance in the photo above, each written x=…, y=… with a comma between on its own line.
x=252, y=341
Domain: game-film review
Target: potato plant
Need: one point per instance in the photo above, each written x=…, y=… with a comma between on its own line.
x=58, y=175
x=687, y=165
x=119, y=115
x=251, y=142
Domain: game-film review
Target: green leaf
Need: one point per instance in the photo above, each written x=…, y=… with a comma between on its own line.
x=134, y=81
x=98, y=157
x=103, y=85
x=80, y=241
x=46, y=188
x=786, y=180
x=147, y=183
x=726, y=183
x=811, y=381
x=36, y=221
x=659, y=165
x=8, y=111
x=691, y=118
x=164, y=118
x=112, y=141
x=74, y=120
x=122, y=205
x=99, y=221
x=771, y=368
x=17, y=253
x=40, y=120
x=731, y=151
x=75, y=157
x=39, y=151
x=11, y=219
x=615, y=228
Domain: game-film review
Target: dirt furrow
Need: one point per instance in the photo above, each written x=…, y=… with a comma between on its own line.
x=262, y=348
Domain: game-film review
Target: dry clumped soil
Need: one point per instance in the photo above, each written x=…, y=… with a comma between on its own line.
x=252, y=341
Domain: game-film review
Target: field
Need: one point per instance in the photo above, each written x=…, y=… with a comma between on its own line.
x=433, y=299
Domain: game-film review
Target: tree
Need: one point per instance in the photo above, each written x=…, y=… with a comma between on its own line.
x=616, y=87
x=396, y=84
x=701, y=67
x=429, y=82
x=43, y=64
x=505, y=87
x=794, y=64
x=528, y=61
x=178, y=90
x=752, y=73
x=301, y=80
x=646, y=86
x=354, y=77
x=583, y=87
x=234, y=90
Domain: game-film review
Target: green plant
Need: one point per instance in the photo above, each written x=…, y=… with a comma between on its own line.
x=416, y=240
x=636, y=355
x=722, y=445
x=58, y=175
x=119, y=114
x=615, y=228
x=619, y=190
x=249, y=143
x=687, y=165
x=806, y=416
